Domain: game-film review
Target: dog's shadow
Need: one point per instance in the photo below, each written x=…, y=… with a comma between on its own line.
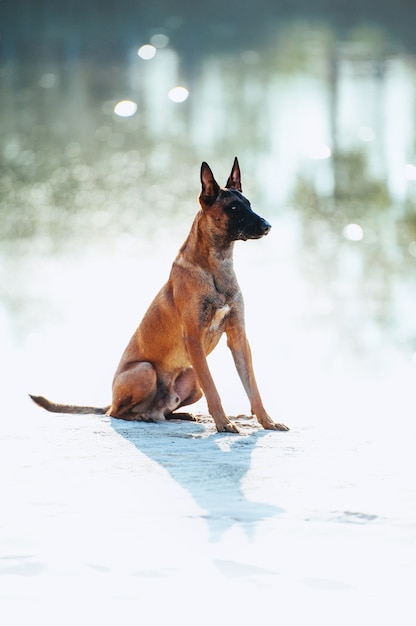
x=209, y=465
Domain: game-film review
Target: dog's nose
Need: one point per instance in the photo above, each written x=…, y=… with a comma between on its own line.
x=266, y=226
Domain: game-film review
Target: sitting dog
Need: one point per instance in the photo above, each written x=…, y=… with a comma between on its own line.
x=164, y=366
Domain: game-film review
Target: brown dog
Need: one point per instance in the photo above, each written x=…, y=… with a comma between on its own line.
x=164, y=365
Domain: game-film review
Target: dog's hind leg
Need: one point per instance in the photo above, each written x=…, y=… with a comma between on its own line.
x=134, y=390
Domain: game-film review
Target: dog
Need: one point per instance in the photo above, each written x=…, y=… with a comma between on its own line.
x=164, y=366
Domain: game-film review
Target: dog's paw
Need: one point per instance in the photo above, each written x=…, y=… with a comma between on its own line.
x=181, y=416
x=268, y=424
x=276, y=426
x=227, y=427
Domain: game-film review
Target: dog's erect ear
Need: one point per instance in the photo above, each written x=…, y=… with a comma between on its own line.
x=234, y=180
x=210, y=187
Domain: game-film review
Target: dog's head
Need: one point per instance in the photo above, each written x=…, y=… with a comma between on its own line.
x=230, y=212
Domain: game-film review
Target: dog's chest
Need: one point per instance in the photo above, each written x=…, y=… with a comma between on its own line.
x=218, y=317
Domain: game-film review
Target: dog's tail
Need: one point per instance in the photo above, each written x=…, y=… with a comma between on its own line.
x=68, y=408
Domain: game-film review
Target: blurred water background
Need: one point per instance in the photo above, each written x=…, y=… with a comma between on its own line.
x=106, y=111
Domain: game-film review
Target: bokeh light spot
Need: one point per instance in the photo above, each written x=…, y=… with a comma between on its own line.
x=412, y=248
x=318, y=151
x=47, y=81
x=178, y=94
x=410, y=171
x=146, y=52
x=353, y=232
x=159, y=40
x=125, y=108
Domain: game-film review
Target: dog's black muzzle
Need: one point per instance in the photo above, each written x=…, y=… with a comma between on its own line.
x=256, y=229
x=265, y=226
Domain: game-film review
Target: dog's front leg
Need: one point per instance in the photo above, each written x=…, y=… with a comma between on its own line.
x=199, y=362
x=238, y=343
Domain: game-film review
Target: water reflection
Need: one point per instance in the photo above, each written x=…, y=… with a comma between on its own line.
x=323, y=126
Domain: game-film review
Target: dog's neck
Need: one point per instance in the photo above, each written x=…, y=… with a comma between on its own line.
x=212, y=246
